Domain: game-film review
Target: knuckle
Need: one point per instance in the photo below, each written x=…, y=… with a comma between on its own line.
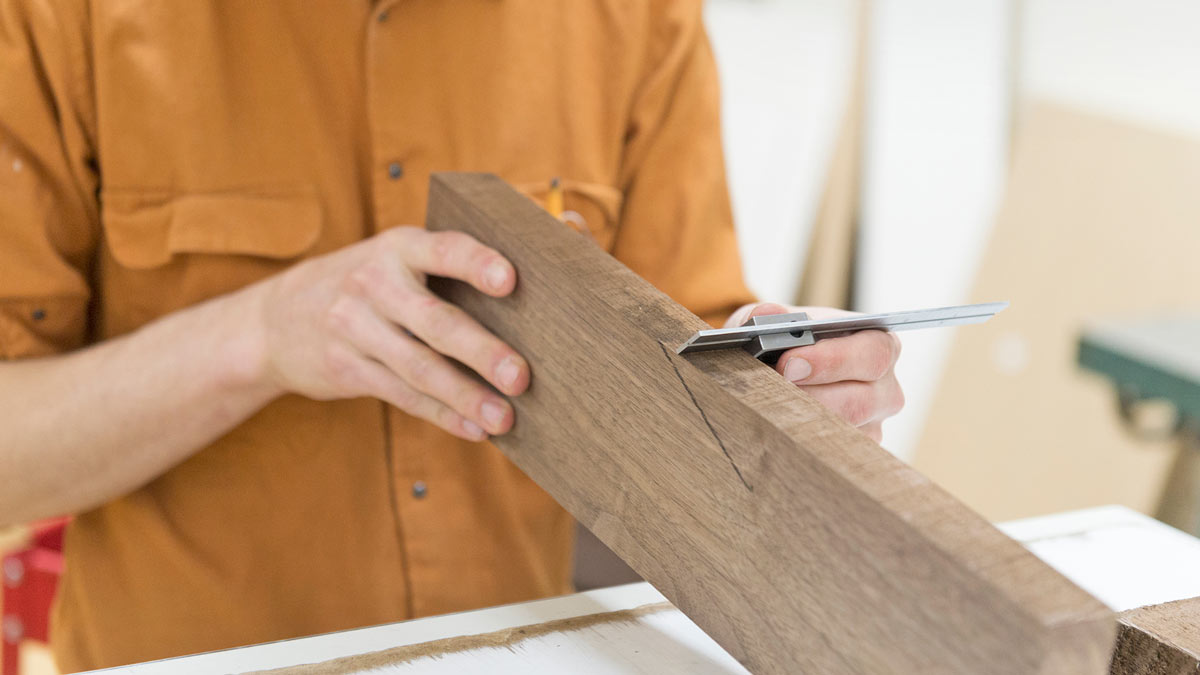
x=879, y=360
x=402, y=303
x=832, y=360
x=442, y=316
x=357, y=282
x=339, y=316
x=447, y=418
x=406, y=399
x=371, y=275
x=394, y=237
x=375, y=270
x=858, y=409
x=441, y=253
x=407, y=299
x=420, y=371
x=447, y=247
x=880, y=367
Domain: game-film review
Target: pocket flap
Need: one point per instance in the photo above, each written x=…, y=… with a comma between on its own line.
x=143, y=231
x=591, y=208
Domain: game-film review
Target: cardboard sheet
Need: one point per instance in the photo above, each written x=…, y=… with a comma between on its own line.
x=1101, y=220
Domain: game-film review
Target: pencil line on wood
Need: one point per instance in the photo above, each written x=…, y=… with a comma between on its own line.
x=705, y=418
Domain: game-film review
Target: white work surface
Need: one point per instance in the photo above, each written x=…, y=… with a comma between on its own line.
x=1124, y=558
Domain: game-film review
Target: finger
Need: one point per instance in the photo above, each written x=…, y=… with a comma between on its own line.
x=864, y=356
x=425, y=370
x=745, y=312
x=450, y=331
x=376, y=380
x=456, y=255
x=767, y=309
x=861, y=403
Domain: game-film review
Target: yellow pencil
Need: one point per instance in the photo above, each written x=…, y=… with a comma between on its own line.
x=554, y=198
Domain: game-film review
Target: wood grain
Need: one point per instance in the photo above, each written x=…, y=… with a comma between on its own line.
x=793, y=540
x=1159, y=640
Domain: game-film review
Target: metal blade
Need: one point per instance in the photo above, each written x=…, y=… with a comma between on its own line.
x=727, y=338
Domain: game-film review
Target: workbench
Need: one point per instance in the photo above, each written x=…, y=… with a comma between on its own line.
x=1156, y=359
x=1125, y=559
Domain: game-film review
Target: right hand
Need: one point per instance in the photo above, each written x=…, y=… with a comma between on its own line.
x=361, y=322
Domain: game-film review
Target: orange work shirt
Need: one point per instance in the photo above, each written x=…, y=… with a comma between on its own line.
x=155, y=154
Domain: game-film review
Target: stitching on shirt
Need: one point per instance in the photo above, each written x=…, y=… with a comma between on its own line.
x=160, y=196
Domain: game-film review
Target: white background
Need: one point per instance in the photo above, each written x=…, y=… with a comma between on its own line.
x=946, y=82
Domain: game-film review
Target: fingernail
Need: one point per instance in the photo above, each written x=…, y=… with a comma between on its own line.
x=493, y=414
x=797, y=370
x=474, y=430
x=496, y=275
x=508, y=371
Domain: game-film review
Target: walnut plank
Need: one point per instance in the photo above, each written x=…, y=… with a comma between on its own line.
x=1159, y=640
x=793, y=540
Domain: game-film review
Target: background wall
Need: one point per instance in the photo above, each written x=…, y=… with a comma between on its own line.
x=1137, y=60
x=785, y=70
x=946, y=85
x=939, y=90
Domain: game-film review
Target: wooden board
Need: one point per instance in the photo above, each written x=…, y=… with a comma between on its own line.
x=1126, y=558
x=1159, y=640
x=793, y=540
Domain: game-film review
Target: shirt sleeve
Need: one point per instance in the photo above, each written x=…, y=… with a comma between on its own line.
x=48, y=207
x=676, y=228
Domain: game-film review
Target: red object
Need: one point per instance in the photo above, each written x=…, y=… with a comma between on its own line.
x=30, y=581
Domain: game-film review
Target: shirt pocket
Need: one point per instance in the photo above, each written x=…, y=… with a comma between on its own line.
x=146, y=229
x=166, y=251
x=593, y=209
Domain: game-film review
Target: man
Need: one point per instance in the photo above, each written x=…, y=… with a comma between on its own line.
x=221, y=352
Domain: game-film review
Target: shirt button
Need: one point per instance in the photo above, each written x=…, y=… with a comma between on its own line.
x=382, y=16
x=14, y=572
x=395, y=170
x=419, y=489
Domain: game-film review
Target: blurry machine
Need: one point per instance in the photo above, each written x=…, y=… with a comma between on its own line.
x=1157, y=359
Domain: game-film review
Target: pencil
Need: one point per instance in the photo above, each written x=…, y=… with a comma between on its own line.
x=554, y=198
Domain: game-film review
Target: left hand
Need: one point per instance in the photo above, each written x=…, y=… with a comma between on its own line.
x=854, y=376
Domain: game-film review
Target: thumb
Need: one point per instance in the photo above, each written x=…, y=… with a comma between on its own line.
x=752, y=310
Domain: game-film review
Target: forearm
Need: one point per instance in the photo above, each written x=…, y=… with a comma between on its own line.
x=80, y=429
